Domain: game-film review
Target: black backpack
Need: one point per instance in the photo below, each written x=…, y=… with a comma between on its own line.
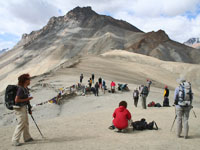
x=139, y=125
x=135, y=93
x=157, y=105
x=10, y=94
x=142, y=125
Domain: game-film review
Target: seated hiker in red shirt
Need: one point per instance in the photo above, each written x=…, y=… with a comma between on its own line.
x=121, y=117
x=112, y=85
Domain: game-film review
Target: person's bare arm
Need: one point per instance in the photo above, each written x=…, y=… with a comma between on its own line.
x=18, y=100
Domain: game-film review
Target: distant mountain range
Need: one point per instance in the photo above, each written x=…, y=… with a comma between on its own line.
x=193, y=42
x=82, y=32
x=4, y=50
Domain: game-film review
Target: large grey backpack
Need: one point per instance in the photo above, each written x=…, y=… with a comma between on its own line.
x=185, y=95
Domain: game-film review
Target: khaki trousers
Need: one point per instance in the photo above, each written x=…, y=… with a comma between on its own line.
x=22, y=124
x=182, y=118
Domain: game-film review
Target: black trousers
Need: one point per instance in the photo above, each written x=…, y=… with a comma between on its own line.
x=136, y=101
x=96, y=92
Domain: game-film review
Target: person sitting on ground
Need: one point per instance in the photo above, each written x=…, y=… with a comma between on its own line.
x=96, y=89
x=112, y=87
x=93, y=90
x=121, y=117
x=166, y=99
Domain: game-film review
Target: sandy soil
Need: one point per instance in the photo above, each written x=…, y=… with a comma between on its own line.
x=82, y=122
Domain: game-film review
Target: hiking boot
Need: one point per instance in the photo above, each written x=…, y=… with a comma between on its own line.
x=15, y=143
x=119, y=130
x=111, y=127
x=124, y=131
x=29, y=140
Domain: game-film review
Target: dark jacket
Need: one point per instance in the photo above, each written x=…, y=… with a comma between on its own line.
x=96, y=86
x=100, y=80
x=166, y=92
x=135, y=94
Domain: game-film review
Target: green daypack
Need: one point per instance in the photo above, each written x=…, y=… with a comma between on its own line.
x=145, y=91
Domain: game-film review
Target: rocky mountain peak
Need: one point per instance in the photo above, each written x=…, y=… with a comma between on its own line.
x=81, y=12
x=159, y=36
x=83, y=17
x=192, y=41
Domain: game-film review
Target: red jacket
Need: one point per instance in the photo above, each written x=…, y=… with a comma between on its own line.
x=112, y=84
x=121, y=117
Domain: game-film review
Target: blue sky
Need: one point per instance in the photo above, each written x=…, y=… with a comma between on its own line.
x=178, y=18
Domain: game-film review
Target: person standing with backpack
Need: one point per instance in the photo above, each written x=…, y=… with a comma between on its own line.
x=22, y=100
x=144, y=91
x=136, y=96
x=183, y=97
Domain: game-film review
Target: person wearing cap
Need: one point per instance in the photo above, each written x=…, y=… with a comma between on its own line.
x=182, y=111
x=22, y=100
x=166, y=99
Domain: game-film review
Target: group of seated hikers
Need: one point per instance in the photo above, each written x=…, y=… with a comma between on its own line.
x=94, y=86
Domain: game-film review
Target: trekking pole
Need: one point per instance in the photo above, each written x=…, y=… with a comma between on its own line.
x=194, y=114
x=37, y=126
x=173, y=123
